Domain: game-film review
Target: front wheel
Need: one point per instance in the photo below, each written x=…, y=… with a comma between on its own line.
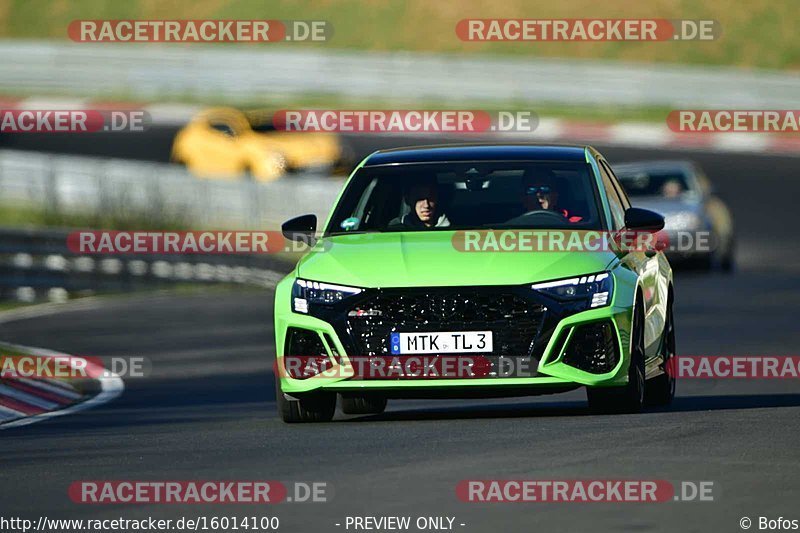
x=630, y=398
x=661, y=389
x=728, y=263
x=311, y=407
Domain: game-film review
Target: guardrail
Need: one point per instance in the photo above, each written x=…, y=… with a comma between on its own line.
x=244, y=73
x=156, y=192
x=36, y=264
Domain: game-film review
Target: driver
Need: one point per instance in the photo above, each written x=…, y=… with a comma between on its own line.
x=541, y=193
x=426, y=208
x=671, y=189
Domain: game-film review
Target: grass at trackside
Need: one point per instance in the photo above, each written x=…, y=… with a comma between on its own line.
x=12, y=304
x=755, y=33
x=12, y=216
x=11, y=350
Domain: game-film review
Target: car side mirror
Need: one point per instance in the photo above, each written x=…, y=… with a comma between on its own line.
x=301, y=229
x=638, y=219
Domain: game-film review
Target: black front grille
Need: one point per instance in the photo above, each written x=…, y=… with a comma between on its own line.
x=514, y=320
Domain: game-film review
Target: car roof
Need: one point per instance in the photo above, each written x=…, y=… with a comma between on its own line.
x=477, y=152
x=661, y=164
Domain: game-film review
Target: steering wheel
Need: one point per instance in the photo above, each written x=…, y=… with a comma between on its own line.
x=544, y=212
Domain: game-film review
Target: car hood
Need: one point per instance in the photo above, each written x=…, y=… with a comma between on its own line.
x=427, y=259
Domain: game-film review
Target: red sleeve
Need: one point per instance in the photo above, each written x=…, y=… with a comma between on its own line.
x=572, y=218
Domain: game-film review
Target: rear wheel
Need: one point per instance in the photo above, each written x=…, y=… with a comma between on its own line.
x=703, y=263
x=661, y=389
x=630, y=398
x=363, y=405
x=311, y=407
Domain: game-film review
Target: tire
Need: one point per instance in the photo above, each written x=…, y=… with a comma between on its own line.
x=661, y=389
x=630, y=398
x=363, y=405
x=247, y=174
x=704, y=263
x=313, y=407
x=728, y=262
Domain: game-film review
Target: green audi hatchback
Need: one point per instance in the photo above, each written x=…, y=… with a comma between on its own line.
x=476, y=270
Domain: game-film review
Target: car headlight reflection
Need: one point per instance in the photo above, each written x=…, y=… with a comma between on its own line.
x=584, y=292
x=305, y=293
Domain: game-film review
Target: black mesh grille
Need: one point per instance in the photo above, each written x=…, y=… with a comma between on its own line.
x=593, y=348
x=515, y=321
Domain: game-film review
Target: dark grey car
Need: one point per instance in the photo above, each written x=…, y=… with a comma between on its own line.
x=698, y=225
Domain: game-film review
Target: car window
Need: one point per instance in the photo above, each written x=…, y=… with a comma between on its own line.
x=414, y=197
x=626, y=203
x=614, y=201
x=655, y=183
x=223, y=128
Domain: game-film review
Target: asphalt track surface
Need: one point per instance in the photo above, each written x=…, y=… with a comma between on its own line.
x=208, y=410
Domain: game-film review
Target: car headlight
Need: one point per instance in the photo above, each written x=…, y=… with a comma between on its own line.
x=682, y=221
x=275, y=158
x=305, y=293
x=583, y=292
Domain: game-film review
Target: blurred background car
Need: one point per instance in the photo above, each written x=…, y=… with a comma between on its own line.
x=227, y=143
x=682, y=192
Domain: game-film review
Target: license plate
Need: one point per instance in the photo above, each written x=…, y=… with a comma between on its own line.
x=438, y=342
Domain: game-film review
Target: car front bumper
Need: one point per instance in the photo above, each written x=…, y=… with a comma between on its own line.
x=552, y=369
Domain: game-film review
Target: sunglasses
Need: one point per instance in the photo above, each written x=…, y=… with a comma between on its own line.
x=541, y=189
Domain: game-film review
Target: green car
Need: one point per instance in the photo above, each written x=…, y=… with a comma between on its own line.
x=476, y=271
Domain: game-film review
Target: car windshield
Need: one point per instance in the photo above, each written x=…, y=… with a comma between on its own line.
x=260, y=120
x=469, y=195
x=664, y=184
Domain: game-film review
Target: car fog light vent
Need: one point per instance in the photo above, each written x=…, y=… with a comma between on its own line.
x=304, y=355
x=593, y=348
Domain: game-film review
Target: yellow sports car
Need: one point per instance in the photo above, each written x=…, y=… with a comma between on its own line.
x=227, y=143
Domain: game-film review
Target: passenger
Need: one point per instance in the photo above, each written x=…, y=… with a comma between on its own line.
x=426, y=209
